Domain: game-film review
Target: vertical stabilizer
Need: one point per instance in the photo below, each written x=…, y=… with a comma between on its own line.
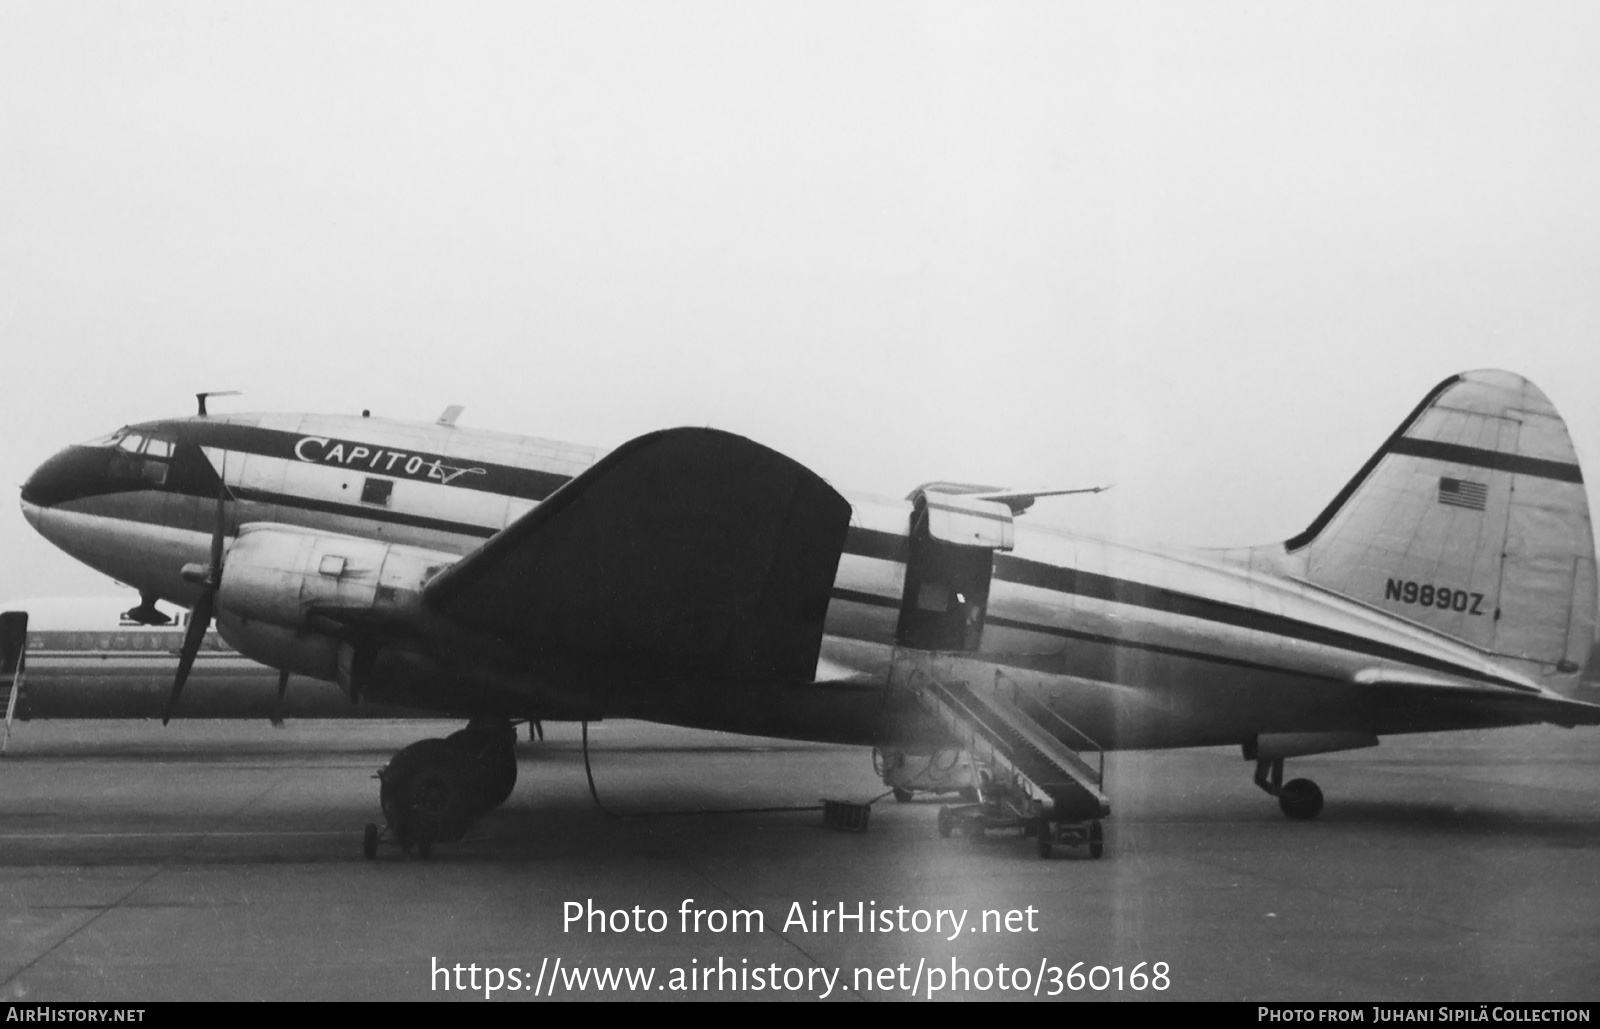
x=1471, y=519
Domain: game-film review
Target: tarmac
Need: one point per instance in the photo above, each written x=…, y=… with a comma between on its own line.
x=222, y=861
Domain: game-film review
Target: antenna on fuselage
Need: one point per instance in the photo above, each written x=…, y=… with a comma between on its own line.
x=451, y=413
x=201, y=397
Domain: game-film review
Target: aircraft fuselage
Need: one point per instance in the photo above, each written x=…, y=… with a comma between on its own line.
x=1138, y=646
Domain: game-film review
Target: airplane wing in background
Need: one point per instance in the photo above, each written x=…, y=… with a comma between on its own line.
x=687, y=552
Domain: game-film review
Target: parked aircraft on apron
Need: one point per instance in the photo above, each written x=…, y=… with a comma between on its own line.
x=698, y=578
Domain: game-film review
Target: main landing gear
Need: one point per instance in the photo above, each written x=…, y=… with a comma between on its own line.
x=432, y=791
x=1300, y=799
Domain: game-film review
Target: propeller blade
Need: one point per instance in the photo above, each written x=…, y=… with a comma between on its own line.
x=204, y=607
x=199, y=621
x=283, y=687
x=216, y=534
x=361, y=662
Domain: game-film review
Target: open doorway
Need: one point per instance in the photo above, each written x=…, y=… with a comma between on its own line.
x=947, y=590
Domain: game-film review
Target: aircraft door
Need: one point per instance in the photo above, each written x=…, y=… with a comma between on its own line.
x=948, y=570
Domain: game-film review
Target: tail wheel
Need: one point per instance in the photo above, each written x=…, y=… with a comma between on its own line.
x=1045, y=835
x=1097, y=840
x=946, y=822
x=1300, y=799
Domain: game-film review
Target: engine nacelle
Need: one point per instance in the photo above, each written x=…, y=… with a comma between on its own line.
x=301, y=651
x=277, y=574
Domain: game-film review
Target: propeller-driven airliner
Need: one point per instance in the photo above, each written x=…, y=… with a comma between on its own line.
x=698, y=578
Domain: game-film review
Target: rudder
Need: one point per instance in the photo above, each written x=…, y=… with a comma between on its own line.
x=1471, y=519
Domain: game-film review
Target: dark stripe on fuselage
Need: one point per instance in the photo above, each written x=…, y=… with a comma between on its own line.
x=1155, y=598
x=875, y=543
x=1122, y=591
x=1494, y=460
x=1154, y=648
x=392, y=462
x=858, y=597
x=892, y=603
x=365, y=513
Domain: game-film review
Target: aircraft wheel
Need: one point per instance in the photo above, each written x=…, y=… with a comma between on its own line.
x=1097, y=840
x=1300, y=799
x=946, y=822
x=903, y=796
x=502, y=780
x=492, y=747
x=369, y=842
x=431, y=792
x=1044, y=834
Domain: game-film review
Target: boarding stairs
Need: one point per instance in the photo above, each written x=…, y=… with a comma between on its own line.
x=13, y=659
x=1003, y=722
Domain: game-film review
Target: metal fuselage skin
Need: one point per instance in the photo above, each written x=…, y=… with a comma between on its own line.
x=1138, y=647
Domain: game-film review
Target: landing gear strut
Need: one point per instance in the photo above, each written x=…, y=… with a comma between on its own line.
x=1300, y=799
x=432, y=791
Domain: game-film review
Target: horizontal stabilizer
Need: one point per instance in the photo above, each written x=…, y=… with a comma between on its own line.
x=1490, y=705
x=687, y=552
x=1018, y=500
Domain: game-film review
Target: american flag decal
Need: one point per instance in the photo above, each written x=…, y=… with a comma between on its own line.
x=1463, y=493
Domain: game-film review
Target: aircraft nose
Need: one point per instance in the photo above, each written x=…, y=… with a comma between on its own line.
x=74, y=472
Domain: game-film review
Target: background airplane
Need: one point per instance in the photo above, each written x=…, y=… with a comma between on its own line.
x=86, y=658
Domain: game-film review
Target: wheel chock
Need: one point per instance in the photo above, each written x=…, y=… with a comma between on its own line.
x=845, y=815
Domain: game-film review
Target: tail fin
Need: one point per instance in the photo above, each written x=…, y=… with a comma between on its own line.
x=1471, y=519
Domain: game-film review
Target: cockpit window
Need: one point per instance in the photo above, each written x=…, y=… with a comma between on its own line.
x=142, y=458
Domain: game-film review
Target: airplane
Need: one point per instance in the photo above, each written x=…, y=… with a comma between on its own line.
x=695, y=577
x=92, y=657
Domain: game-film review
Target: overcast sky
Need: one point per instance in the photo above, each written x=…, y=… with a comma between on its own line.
x=1210, y=252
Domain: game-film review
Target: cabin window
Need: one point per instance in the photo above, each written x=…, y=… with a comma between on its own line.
x=131, y=442
x=158, y=448
x=377, y=491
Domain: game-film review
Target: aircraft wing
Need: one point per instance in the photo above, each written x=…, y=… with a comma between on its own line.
x=686, y=552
